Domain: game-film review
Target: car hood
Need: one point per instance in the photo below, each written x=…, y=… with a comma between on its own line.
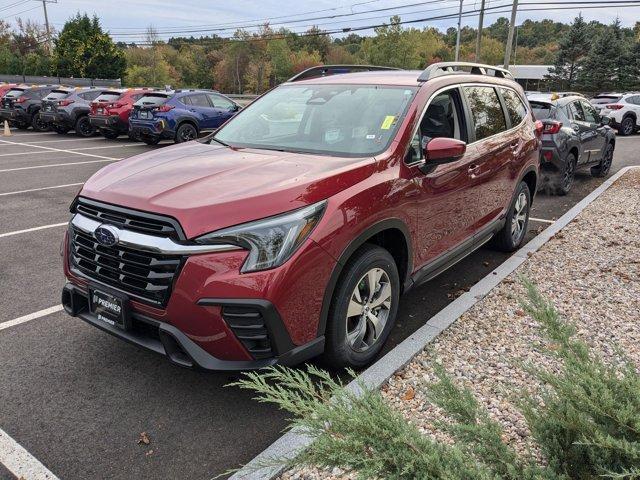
x=208, y=187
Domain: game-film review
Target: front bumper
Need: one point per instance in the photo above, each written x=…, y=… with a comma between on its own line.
x=165, y=339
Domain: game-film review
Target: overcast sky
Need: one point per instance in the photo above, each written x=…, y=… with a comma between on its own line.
x=126, y=20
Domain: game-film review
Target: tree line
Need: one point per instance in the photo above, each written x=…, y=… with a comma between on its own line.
x=585, y=55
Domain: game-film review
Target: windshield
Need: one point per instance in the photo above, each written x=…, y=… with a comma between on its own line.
x=108, y=97
x=604, y=99
x=14, y=92
x=57, y=95
x=152, y=100
x=344, y=120
x=542, y=110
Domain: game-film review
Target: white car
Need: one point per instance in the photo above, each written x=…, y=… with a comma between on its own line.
x=623, y=110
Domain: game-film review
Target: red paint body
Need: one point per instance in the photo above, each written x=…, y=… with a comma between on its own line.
x=209, y=187
x=5, y=87
x=116, y=113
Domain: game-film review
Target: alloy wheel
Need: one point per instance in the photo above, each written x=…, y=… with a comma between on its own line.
x=368, y=309
x=187, y=134
x=627, y=126
x=607, y=160
x=568, y=175
x=519, y=218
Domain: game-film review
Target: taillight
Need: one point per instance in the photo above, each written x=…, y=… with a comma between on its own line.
x=164, y=108
x=552, y=127
x=614, y=106
x=548, y=155
x=64, y=103
x=22, y=99
x=539, y=128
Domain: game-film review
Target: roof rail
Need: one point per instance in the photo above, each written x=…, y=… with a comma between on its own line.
x=450, y=68
x=325, y=70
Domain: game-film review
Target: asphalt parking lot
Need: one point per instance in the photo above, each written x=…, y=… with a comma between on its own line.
x=78, y=399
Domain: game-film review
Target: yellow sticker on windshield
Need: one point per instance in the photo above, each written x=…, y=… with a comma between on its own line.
x=388, y=121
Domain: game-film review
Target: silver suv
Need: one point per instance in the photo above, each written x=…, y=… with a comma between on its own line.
x=67, y=108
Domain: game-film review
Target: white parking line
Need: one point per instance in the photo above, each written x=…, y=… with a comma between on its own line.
x=60, y=150
x=34, y=229
x=541, y=220
x=28, y=318
x=38, y=189
x=75, y=149
x=77, y=139
x=59, y=164
x=20, y=462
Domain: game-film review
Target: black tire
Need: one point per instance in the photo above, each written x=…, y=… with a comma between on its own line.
x=567, y=176
x=60, y=129
x=84, y=128
x=506, y=239
x=110, y=134
x=603, y=168
x=340, y=347
x=38, y=125
x=185, y=133
x=151, y=140
x=627, y=126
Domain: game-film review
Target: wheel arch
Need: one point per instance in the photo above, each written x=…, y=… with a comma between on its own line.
x=391, y=234
x=530, y=177
x=182, y=121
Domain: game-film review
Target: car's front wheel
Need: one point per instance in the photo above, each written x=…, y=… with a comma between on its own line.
x=364, y=308
x=602, y=169
x=512, y=234
x=84, y=128
x=627, y=127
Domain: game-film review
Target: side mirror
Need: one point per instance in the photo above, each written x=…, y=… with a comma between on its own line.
x=234, y=108
x=605, y=121
x=441, y=150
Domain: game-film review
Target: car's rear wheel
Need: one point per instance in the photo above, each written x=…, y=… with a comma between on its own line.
x=364, y=308
x=110, y=134
x=627, y=127
x=603, y=168
x=567, y=176
x=512, y=234
x=151, y=140
x=185, y=133
x=60, y=129
x=84, y=128
x=38, y=125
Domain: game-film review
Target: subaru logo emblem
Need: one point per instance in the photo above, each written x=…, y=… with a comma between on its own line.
x=106, y=235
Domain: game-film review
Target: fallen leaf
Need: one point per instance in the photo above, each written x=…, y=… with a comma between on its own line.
x=150, y=452
x=409, y=394
x=144, y=439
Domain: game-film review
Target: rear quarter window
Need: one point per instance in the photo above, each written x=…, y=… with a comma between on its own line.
x=486, y=111
x=515, y=108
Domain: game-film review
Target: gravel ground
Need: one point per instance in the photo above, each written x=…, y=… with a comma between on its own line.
x=590, y=270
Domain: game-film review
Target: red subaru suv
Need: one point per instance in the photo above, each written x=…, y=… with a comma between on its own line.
x=110, y=111
x=294, y=229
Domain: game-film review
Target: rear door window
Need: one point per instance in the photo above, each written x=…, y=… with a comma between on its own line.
x=200, y=100
x=486, y=111
x=515, y=108
x=186, y=100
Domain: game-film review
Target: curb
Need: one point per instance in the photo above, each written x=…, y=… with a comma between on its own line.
x=377, y=374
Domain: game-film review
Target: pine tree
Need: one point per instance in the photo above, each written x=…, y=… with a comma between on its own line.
x=603, y=69
x=573, y=47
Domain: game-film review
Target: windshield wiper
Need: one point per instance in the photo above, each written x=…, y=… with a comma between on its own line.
x=219, y=141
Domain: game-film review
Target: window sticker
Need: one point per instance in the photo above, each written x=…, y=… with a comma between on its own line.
x=332, y=135
x=370, y=137
x=388, y=121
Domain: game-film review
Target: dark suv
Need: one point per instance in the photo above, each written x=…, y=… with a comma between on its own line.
x=574, y=136
x=67, y=108
x=180, y=116
x=295, y=228
x=21, y=106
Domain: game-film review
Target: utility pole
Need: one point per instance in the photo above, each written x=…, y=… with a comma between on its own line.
x=512, y=26
x=479, y=37
x=458, y=36
x=46, y=22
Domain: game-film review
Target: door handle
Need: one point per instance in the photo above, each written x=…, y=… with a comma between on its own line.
x=514, y=145
x=473, y=167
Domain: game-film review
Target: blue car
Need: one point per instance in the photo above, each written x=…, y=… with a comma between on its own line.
x=180, y=115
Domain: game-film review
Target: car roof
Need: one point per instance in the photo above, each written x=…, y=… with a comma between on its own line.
x=548, y=98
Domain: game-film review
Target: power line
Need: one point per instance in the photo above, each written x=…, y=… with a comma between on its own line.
x=16, y=14
x=11, y=5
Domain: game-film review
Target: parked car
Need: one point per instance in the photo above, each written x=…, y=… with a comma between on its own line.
x=293, y=229
x=111, y=109
x=5, y=87
x=623, y=110
x=181, y=115
x=574, y=136
x=21, y=106
x=67, y=108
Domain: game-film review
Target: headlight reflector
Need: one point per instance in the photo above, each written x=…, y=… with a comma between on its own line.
x=270, y=241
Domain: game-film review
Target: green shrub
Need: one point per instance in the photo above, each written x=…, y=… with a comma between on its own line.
x=587, y=421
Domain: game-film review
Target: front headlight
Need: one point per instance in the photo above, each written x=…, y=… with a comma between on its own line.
x=270, y=241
